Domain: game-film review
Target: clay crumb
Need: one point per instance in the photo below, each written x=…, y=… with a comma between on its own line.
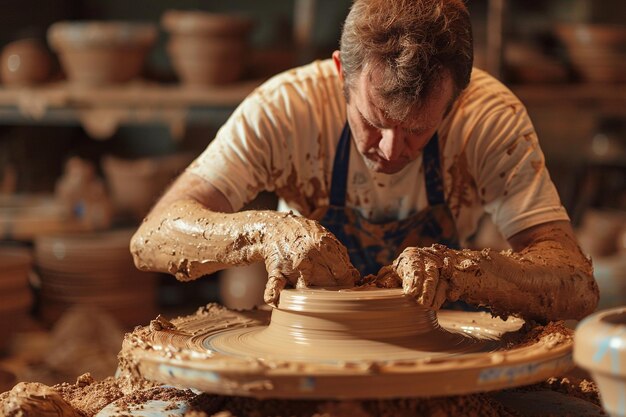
x=161, y=323
x=84, y=380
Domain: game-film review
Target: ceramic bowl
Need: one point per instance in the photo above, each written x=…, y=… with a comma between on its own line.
x=95, y=53
x=207, y=48
x=600, y=348
x=597, y=52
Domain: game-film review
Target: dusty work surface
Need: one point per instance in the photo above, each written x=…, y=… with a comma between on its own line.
x=127, y=397
x=355, y=345
x=129, y=394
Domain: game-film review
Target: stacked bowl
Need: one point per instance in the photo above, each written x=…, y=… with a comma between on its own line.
x=597, y=52
x=207, y=48
x=97, y=52
x=15, y=295
x=94, y=269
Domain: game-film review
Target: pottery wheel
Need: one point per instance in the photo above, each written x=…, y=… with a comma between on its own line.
x=356, y=343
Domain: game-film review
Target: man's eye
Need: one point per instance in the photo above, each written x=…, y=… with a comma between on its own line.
x=367, y=122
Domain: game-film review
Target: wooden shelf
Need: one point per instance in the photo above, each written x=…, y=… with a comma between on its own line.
x=102, y=109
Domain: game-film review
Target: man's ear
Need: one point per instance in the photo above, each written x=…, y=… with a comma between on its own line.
x=337, y=61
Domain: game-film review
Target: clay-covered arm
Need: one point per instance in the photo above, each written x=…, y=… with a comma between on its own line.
x=547, y=278
x=188, y=238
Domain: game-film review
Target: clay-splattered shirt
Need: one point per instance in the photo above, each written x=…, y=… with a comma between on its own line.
x=283, y=138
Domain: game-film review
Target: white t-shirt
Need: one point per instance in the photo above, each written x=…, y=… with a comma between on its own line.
x=284, y=135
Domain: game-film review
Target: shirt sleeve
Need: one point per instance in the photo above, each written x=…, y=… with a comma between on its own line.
x=512, y=179
x=249, y=151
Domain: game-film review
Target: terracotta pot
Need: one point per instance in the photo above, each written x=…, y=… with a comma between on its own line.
x=96, y=53
x=597, y=52
x=25, y=62
x=600, y=348
x=207, y=48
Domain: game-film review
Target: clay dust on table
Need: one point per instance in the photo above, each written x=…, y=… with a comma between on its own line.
x=86, y=397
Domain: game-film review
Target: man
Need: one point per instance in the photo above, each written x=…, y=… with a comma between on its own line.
x=393, y=149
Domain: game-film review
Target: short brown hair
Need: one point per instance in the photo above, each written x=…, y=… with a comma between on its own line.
x=412, y=43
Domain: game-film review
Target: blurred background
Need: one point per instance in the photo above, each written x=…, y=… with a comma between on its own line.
x=103, y=103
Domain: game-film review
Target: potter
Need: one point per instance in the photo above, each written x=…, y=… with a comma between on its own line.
x=388, y=153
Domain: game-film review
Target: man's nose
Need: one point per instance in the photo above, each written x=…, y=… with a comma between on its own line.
x=391, y=144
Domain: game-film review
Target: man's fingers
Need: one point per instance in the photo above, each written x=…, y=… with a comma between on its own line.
x=440, y=295
x=430, y=279
x=409, y=284
x=420, y=278
x=387, y=277
x=275, y=284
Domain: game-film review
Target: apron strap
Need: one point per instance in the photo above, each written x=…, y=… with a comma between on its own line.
x=339, y=180
x=432, y=172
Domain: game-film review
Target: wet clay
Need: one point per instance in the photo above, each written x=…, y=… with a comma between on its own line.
x=364, y=324
x=189, y=241
x=88, y=397
x=326, y=344
x=32, y=399
x=205, y=405
x=549, y=280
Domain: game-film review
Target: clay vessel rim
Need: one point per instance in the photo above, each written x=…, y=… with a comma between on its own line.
x=78, y=34
x=187, y=22
x=351, y=301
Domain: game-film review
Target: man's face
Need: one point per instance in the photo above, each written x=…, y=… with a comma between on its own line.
x=389, y=145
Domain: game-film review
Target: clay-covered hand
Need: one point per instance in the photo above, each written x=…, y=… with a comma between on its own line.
x=301, y=252
x=423, y=273
x=189, y=241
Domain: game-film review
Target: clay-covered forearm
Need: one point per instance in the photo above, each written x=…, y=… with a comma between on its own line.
x=546, y=281
x=186, y=239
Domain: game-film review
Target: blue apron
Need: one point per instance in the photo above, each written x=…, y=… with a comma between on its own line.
x=373, y=245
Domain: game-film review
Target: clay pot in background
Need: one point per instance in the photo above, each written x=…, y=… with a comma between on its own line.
x=207, y=48
x=597, y=51
x=600, y=348
x=93, y=269
x=135, y=185
x=25, y=62
x=96, y=53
